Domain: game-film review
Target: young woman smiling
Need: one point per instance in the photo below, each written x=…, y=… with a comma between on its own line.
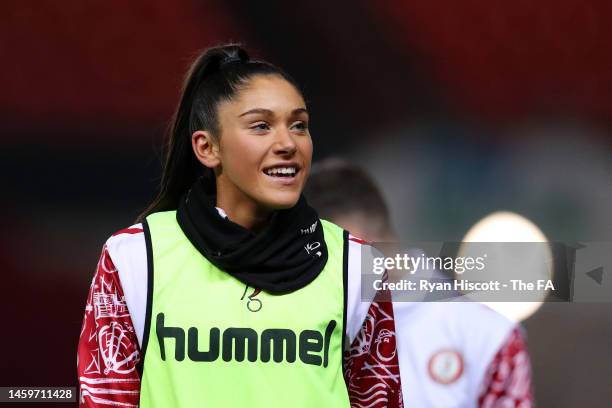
x=230, y=291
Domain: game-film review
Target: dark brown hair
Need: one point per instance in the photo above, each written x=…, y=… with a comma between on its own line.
x=216, y=75
x=336, y=187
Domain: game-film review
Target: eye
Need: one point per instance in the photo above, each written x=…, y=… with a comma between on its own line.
x=300, y=126
x=260, y=127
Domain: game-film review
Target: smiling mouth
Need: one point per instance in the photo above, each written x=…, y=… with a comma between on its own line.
x=282, y=171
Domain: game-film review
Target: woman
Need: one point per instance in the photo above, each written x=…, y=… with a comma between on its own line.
x=231, y=291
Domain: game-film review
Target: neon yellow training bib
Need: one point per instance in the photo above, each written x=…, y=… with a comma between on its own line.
x=212, y=341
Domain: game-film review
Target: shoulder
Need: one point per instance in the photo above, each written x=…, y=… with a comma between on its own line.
x=126, y=240
x=481, y=323
x=128, y=252
x=467, y=323
x=353, y=246
x=474, y=331
x=357, y=249
x=483, y=330
x=359, y=255
x=358, y=300
x=463, y=337
x=476, y=316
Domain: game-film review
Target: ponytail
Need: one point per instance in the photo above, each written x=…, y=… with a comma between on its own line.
x=215, y=76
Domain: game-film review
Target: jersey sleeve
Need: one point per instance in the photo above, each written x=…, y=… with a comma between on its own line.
x=507, y=381
x=371, y=367
x=108, y=350
x=357, y=306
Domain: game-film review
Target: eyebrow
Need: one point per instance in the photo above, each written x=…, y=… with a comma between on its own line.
x=268, y=112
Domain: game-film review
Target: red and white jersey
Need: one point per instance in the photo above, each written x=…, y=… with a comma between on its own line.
x=109, y=346
x=109, y=354
x=460, y=354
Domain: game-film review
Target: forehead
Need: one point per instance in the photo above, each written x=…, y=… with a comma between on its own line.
x=267, y=92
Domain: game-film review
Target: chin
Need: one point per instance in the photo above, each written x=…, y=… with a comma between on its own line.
x=282, y=201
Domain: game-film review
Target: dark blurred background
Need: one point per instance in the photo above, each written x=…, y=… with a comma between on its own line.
x=458, y=109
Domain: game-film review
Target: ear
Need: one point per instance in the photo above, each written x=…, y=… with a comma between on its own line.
x=205, y=148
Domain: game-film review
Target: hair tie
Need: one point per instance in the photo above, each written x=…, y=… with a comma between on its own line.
x=229, y=60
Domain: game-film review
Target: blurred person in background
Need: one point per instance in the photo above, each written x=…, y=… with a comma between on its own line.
x=228, y=263
x=450, y=354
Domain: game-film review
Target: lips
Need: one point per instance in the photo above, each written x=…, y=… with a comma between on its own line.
x=283, y=174
x=282, y=170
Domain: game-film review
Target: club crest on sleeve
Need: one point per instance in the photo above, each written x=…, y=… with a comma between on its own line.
x=445, y=366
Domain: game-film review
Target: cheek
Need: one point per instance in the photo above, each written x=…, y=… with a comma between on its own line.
x=306, y=147
x=241, y=156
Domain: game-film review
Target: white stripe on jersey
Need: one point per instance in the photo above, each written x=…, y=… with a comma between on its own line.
x=356, y=308
x=129, y=255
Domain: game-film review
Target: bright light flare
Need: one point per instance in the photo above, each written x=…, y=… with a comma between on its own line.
x=505, y=227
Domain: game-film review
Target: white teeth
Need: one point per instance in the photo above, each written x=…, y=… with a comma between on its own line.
x=281, y=170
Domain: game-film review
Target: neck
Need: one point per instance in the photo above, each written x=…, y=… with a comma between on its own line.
x=242, y=210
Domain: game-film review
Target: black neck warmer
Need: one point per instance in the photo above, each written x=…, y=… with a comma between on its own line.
x=287, y=255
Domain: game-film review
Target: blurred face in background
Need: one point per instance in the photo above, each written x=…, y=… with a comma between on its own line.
x=364, y=226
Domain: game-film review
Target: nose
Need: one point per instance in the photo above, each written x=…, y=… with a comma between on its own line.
x=285, y=143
